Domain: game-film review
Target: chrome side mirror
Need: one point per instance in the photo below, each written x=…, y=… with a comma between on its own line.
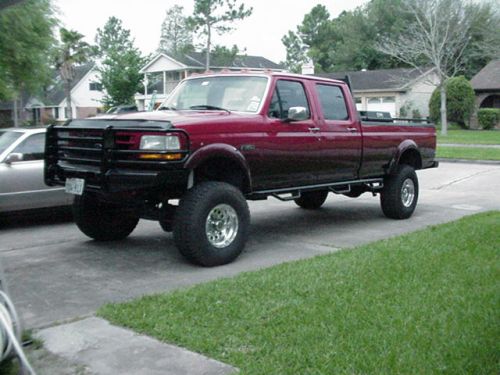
x=297, y=114
x=13, y=158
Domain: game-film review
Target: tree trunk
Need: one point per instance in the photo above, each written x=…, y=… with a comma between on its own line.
x=69, y=110
x=209, y=42
x=15, y=113
x=444, y=120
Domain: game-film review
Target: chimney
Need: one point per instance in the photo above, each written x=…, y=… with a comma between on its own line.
x=308, y=67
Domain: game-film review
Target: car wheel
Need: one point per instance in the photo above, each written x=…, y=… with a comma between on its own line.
x=312, y=200
x=101, y=220
x=399, y=196
x=211, y=224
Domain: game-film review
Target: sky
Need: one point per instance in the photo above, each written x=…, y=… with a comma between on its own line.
x=260, y=33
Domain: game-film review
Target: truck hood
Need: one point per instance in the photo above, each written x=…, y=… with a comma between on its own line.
x=180, y=119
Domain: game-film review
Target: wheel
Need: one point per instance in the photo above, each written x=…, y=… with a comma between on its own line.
x=167, y=214
x=102, y=221
x=211, y=224
x=400, y=193
x=311, y=200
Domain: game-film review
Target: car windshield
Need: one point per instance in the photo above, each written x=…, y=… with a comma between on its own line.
x=229, y=93
x=7, y=138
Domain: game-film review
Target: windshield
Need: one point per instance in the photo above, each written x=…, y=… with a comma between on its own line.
x=7, y=138
x=231, y=93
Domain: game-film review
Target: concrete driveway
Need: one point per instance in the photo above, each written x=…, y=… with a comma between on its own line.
x=55, y=273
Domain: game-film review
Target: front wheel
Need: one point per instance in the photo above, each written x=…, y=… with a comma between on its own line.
x=101, y=220
x=399, y=196
x=211, y=224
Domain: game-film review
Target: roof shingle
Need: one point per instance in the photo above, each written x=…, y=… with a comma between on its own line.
x=488, y=78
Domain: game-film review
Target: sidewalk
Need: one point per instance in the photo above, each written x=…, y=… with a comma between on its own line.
x=468, y=145
x=92, y=346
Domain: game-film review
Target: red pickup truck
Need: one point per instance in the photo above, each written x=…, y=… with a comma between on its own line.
x=222, y=139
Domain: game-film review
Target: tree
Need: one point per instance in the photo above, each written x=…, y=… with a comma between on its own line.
x=460, y=99
x=72, y=51
x=176, y=36
x=439, y=37
x=120, y=65
x=26, y=39
x=215, y=15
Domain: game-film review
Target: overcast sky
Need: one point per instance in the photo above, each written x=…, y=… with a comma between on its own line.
x=260, y=33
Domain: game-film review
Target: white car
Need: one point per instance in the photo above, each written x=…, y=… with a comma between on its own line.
x=21, y=172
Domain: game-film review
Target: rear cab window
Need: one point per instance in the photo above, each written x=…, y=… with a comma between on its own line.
x=332, y=102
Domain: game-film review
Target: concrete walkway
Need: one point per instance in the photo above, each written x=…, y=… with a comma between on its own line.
x=93, y=346
x=467, y=145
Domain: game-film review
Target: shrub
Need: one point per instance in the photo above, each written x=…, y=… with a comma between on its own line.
x=416, y=113
x=459, y=101
x=488, y=117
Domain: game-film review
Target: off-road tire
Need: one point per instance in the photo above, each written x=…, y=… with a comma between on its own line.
x=311, y=200
x=191, y=233
x=101, y=220
x=394, y=195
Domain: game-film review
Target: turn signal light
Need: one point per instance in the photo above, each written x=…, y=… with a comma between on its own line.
x=160, y=156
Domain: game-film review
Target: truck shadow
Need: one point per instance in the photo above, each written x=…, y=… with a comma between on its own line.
x=32, y=218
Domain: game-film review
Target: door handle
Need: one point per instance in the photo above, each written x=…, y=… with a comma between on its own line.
x=352, y=130
x=314, y=129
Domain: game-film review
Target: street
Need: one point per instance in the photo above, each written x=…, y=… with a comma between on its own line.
x=56, y=274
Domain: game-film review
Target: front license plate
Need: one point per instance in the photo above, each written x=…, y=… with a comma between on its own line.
x=75, y=186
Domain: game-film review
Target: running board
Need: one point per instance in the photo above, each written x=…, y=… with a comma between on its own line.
x=372, y=184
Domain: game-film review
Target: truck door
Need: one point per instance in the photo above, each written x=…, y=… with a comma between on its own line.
x=341, y=135
x=290, y=149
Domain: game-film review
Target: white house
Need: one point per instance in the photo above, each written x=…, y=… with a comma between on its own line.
x=402, y=91
x=162, y=73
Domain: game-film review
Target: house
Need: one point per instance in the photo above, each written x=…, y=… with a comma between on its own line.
x=50, y=106
x=162, y=73
x=486, y=85
x=404, y=92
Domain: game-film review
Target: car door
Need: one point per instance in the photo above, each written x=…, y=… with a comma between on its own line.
x=341, y=136
x=290, y=150
x=22, y=185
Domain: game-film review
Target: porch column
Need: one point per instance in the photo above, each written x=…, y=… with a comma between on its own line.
x=164, y=82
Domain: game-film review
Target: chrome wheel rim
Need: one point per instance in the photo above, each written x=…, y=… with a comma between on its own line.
x=407, y=192
x=221, y=226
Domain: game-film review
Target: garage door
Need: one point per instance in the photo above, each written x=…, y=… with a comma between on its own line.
x=382, y=104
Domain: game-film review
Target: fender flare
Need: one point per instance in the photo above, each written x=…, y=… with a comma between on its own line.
x=406, y=145
x=223, y=151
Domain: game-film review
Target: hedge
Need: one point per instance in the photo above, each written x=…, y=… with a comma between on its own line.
x=488, y=117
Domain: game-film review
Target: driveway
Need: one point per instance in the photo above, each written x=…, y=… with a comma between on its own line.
x=56, y=274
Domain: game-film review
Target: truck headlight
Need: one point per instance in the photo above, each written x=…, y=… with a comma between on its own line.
x=160, y=142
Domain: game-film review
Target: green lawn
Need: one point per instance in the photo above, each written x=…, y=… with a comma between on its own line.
x=470, y=153
x=423, y=303
x=482, y=137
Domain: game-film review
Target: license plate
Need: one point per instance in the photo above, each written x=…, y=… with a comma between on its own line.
x=75, y=186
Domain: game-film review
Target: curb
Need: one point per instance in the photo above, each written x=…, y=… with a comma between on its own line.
x=468, y=161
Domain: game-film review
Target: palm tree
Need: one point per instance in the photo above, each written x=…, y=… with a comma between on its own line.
x=72, y=51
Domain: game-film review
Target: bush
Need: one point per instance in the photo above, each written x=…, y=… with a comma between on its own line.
x=459, y=101
x=488, y=117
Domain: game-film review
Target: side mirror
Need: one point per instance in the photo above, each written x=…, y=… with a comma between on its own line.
x=297, y=114
x=13, y=158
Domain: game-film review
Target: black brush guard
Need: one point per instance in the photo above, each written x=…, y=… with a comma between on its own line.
x=95, y=151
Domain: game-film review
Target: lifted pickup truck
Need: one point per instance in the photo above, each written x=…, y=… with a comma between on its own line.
x=222, y=139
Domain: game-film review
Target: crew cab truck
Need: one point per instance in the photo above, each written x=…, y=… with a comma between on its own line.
x=222, y=139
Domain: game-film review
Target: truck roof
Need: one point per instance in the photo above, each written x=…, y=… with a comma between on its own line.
x=267, y=73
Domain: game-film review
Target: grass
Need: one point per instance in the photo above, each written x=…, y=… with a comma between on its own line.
x=481, y=137
x=469, y=153
x=423, y=303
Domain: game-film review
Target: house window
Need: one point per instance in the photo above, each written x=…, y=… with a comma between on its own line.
x=358, y=100
x=95, y=86
x=56, y=112
x=374, y=100
x=389, y=99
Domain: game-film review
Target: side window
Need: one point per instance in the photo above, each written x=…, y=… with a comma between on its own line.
x=332, y=102
x=287, y=94
x=32, y=148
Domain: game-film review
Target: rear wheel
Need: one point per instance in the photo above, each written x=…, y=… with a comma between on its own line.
x=211, y=224
x=101, y=220
x=312, y=199
x=399, y=196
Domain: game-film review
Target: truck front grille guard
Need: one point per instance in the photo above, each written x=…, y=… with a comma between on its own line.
x=91, y=153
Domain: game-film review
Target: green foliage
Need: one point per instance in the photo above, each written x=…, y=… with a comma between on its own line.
x=121, y=63
x=423, y=303
x=26, y=40
x=468, y=153
x=223, y=57
x=215, y=15
x=460, y=99
x=176, y=36
x=488, y=117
